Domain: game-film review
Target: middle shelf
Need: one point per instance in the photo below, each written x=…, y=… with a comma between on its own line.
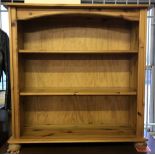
x=41, y=51
x=78, y=74
x=77, y=91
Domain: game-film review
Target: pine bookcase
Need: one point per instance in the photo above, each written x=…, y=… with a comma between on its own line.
x=77, y=73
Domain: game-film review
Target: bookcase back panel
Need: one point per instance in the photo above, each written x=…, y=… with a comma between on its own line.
x=78, y=33
x=80, y=111
x=86, y=70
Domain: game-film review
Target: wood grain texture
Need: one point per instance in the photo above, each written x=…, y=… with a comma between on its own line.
x=133, y=72
x=135, y=36
x=81, y=52
x=101, y=71
x=75, y=140
x=14, y=72
x=69, y=132
x=76, y=110
x=62, y=6
x=132, y=113
x=77, y=34
x=77, y=91
x=11, y=74
x=79, y=77
x=26, y=14
x=141, y=73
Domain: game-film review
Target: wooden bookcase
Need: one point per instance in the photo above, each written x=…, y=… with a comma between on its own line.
x=77, y=73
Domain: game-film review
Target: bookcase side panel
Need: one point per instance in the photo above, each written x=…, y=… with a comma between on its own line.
x=14, y=74
x=141, y=73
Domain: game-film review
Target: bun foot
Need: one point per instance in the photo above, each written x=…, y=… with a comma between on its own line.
x=14, y=148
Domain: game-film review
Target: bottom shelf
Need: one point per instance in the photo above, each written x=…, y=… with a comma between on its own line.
x=74, y=132
x=24, y=140
x=77, y=139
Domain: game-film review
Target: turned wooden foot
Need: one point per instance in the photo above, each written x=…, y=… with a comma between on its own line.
x=142, y=147
x=14, y=148
x=141, y=144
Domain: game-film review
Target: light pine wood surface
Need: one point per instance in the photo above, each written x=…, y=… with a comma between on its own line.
x=77, y=73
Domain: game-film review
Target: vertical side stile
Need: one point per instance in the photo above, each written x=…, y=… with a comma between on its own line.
x=14, y=74
x=141, y=73
x=11, y=73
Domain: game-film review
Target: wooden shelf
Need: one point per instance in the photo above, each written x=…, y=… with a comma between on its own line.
x=27, y=140
x=75, y=132
x=81, y=52
x=77, y=91
x=121, y=6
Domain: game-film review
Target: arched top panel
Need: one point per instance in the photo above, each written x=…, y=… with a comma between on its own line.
x=26, y=14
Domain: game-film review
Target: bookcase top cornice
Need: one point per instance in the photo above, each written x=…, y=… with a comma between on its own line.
x=98, y=6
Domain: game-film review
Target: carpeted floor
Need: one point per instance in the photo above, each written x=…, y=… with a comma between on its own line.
x=152, y=134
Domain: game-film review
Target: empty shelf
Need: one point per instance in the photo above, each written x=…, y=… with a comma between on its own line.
x=63, y=52
x=77, y=91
